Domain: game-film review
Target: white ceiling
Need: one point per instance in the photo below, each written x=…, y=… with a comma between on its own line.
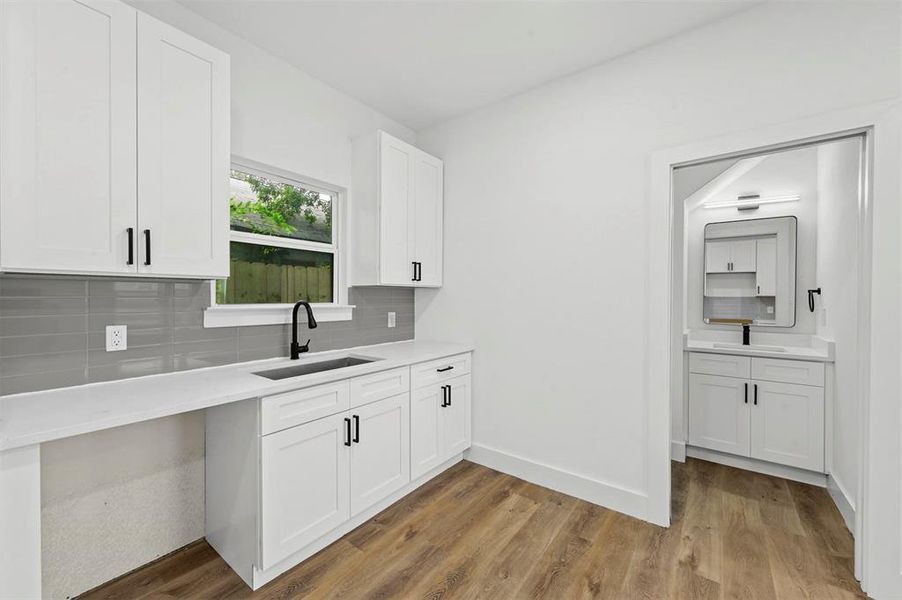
x=421, y=62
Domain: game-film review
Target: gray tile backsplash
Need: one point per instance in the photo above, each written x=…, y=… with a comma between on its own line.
x=52, y=329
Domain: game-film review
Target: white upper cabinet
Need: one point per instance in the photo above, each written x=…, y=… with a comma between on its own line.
x=68, y=148
x=766, y=267
x=730, y=256
x=115, y=139
x=183, y=153
x=396, y=205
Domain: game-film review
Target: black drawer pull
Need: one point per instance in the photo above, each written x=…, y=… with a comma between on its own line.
x=746, y=393
x=756, y=394
x=131, y=246
x=443, y=369
x=347, y=431
x=356, y=439
x=147, y=246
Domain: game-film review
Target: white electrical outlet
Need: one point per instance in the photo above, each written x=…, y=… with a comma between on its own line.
x=116, y=338
x=392, y=319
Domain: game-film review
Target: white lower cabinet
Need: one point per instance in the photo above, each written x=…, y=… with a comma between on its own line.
x=380, y=451
x=788, y=424
x=288, y=474
x=719, y=413
x=777, y=419
x=439, y=422
x=304, y=481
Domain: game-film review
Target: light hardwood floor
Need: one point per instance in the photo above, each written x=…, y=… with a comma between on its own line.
x=476, y=533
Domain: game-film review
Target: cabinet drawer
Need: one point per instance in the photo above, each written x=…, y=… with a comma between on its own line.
x=294, y=408
x=435, y=371
x=788, y=371
x=725, y=365
x=379, y=385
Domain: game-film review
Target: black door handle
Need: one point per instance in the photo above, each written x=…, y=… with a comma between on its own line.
x=131, y=246
x=756, y=394
x=347, y=431
x=449, y=395
x=414, y=278
x=443, y=369
x=419, y=271
x=356, y=439
x=444, y=396
x=147, y=246
x=746, y=393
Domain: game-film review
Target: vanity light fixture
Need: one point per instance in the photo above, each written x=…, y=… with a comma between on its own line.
x=753, y=201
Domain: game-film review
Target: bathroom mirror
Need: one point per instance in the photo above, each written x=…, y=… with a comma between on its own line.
x=750, y=271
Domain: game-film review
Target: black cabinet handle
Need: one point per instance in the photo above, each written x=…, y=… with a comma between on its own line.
x=356, y=439
x=746, y=393
x=419, y=271
x=449, y=395
x=444, y=396
x=443, y=369
x=414, y=278
x=347, y=431
x=147, y=246
x=756, y=394
x=131, y=246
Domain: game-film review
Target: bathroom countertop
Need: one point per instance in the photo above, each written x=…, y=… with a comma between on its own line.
x=820, y=351
x=37, y=417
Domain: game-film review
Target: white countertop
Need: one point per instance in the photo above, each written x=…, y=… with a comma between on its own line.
x=795, y=347
x=37, y=417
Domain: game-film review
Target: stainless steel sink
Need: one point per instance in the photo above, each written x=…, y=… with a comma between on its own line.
x=315, y=367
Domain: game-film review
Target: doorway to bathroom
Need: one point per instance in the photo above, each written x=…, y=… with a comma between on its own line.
x=772, y=232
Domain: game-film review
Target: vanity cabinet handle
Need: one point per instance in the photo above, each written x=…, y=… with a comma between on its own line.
x=414, y=278
x=746, y=393
x=356, y=439
x=347, y=431
x=756, y=394
x=131, y=246
x=449, y=395
x=443, y=369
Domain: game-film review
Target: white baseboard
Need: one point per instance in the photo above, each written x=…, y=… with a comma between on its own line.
x=678, y=451
x=843, y=501
x=605, y=494
x=758, y=466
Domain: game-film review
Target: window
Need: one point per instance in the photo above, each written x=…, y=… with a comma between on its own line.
x=284, y=247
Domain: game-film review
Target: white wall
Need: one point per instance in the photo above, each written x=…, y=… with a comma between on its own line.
x=103, y=516
x=546, y=213
x=782, y=173
x=837, y=276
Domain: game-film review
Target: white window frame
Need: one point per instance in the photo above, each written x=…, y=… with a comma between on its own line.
x=231, y=315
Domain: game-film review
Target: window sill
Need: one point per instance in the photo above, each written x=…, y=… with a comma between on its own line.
x=271, y=314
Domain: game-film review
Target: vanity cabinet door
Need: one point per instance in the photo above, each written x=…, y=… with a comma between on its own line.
x=425, y=429
x=304, y=480
x=717, y=257
x=380, y=453
x=788, y=424
x=719, y=413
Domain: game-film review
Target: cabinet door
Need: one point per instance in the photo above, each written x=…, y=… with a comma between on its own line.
x=743, y=256
x=397, y=216
x=766, y=267
x=380, y=455
x=183, y=153
x=305, y=491
x=456, y=418
x=425, y=430
x=428, y=192
x=717, y=257
x=67, y=152
x=719, y=413
x=788, y=424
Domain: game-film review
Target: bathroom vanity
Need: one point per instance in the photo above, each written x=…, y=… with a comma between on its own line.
x=758, y=407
